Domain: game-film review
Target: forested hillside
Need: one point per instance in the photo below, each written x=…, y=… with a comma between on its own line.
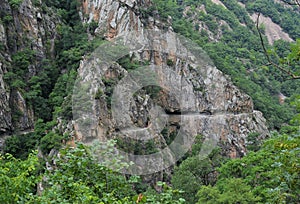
x=48, y=45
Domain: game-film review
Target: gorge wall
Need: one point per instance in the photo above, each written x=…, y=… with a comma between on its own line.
x=217, y=106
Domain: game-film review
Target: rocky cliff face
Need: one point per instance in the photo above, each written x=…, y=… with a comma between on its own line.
x=24, y=26
x=209, y=104
x=217, y=107
x=113, y=17
x=194, y=97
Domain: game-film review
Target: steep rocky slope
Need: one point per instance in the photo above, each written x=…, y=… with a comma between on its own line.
x=23, y=28
x=218, y=108
x=221, y=109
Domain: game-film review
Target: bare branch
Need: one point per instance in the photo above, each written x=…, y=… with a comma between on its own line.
x=292, y=3
x=286, y=71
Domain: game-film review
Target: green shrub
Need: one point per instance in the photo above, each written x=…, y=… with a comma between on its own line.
x=15, y=4
x=51, y=141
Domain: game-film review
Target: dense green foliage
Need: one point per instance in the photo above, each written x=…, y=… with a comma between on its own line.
x=18, y=178
x=21, y=145
x=270, y=175
x=76, y=176
x=227, y=191
x=193, y=173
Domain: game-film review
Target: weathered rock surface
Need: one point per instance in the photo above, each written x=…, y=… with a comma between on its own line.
x=25, y=27
x=112, y=16
x=273, y=31
x=205, y=101
x=5, y=116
